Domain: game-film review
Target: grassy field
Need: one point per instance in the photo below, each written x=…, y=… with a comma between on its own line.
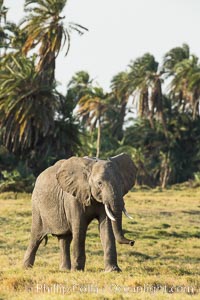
x=163, y=264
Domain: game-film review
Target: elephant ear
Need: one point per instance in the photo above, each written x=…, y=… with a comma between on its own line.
x=127, y=170
x=73, y=178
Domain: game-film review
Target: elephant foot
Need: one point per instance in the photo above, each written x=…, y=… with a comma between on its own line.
x=27, y=266
x=77, y=268
x=113, y=269
x=65, y=268
x=28, y=263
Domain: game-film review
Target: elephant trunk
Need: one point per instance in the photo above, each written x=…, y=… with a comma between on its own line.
x=117, y=228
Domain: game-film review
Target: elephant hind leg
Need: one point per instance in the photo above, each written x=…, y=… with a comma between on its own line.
x=29, y=257
x=37, y=236
x=65, y=259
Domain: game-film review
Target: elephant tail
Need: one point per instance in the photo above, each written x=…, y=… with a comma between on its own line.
x=45, y=238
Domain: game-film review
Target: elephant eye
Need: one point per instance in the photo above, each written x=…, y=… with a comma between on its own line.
x=99, y=183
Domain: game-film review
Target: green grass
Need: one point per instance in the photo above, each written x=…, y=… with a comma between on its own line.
x=163, y=264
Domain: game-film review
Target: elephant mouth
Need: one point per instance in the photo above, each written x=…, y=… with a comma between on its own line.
x=116, y=220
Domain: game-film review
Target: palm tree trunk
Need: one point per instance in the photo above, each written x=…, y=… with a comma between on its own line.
x=98, y=138
x=158, y=98
x=46, y=68
x=166, y=170
x=195, y=109
x=117, y=130
x=122, y=115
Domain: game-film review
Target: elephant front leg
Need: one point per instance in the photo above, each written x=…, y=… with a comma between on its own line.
x=65, y=259
x=79, y=257
x=109, y=246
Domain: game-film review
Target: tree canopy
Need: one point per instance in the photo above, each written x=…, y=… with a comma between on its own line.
x=151, y=110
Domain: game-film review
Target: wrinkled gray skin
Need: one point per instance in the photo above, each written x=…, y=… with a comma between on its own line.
x=69, y=195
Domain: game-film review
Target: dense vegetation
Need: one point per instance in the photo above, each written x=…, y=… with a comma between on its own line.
x=151, y=110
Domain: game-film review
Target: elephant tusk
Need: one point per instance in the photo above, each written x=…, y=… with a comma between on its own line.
x=109, y=214
x=127, y=214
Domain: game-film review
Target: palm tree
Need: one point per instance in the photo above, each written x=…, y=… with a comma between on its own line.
x=15, y=37
x=184, y=71
x=93, y=105
x=45, y=29
x=120, y=85
x=27, y=106
x=146, y=81
x=180, y=84
x=79, y=85
x=171, y=62
x=194, y=88
x=11, y=36
x=174, y=56
x=3, y=13
x=2, y=39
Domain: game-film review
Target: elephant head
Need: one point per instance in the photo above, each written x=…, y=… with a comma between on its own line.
x=105, y=181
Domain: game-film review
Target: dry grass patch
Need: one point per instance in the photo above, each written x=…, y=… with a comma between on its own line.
x=163, y=264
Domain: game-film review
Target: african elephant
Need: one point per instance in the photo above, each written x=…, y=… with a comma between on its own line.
x=69, y=195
